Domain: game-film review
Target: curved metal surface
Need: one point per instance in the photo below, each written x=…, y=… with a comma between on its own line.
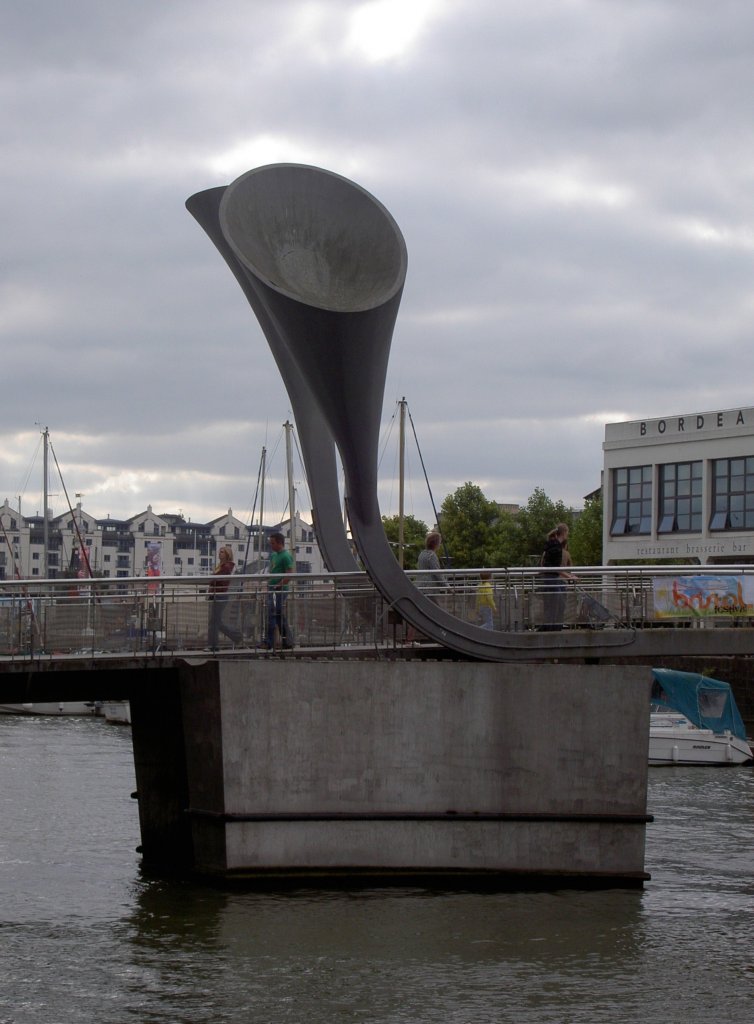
x=328, y=264
x=317, y=445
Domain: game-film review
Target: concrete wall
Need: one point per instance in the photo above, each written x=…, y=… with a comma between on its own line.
x=408, y=768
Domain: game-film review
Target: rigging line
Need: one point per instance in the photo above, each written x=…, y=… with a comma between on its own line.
x=256, y=493
x=388, y=434
x=253, y=510
x=34, y=625
x=303, y=469
x=31, y=466
x=393, y=476
x=82, y=546
x=424, y=470
x=278, y=442
x=16, y=570
x=278, y=501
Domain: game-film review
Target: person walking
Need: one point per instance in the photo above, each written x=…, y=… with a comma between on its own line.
x=280, y=565
x=218, y=596
x=434, y=579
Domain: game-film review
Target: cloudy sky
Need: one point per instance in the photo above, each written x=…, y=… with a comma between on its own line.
x=574, y=180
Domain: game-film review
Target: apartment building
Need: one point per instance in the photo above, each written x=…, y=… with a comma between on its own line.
x=146, y=543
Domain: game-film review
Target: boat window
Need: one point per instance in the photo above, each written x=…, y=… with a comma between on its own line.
x=712, y=703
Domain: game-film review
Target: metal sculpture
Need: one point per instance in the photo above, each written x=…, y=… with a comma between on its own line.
x=317, y=446
x=323, y=265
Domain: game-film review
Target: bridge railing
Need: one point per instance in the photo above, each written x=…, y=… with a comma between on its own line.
x=165, y=615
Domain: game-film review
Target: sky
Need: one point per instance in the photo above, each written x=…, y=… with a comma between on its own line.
x=574, y=180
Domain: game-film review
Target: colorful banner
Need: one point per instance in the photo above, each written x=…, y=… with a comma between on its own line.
x=703, y=596
x=154, y=558
x=154, y=562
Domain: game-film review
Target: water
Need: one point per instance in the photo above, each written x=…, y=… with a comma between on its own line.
x=85, y=936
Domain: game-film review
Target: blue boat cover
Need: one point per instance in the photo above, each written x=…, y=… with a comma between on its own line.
x=708, y=703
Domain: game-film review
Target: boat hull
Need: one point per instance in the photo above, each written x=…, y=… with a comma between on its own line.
x=117, y=712
x=673, y=740
x=73, y=707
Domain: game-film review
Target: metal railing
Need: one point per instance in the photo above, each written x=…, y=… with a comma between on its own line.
x=147, y=616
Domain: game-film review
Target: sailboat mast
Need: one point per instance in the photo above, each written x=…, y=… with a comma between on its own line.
x=401, y=478
x=45, y=501
x=291, y=497
x=260, y=538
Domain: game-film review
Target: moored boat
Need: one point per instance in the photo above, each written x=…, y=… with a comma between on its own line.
x=69, y=707
x=694, y=720
x=117, y=712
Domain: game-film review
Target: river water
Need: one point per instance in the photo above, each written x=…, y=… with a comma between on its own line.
x=85, y=936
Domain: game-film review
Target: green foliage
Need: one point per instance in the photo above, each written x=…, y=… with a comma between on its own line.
x=469, y=524
x=506, y=541
x=585, y=540
x=414, y=535
x=533, y=522
x=476, y=532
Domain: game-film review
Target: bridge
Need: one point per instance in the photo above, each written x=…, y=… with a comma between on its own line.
x=354, y=755
x=106, y=624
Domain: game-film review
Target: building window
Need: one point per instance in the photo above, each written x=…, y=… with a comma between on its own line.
x=632, y=500
x=680, y=497
x=733, y=494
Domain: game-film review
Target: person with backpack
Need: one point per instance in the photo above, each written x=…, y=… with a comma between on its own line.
x=554, y=583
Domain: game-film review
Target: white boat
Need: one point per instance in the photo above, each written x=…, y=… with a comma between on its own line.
x=70, y=707
x=117, y=712
x=673, y=739
x=694, y=720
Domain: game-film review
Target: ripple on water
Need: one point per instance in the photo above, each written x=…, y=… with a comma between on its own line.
x=84, y=936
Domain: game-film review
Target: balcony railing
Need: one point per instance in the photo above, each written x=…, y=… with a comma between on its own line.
x=170, y=615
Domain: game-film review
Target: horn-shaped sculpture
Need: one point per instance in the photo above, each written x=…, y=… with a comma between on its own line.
x=323, y=264
x=317, y=447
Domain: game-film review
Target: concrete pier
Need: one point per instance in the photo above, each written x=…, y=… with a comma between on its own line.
x=404, y=770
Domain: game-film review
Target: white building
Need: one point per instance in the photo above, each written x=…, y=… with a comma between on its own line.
x=304, y=546
x=681, y=487
x=127, y=547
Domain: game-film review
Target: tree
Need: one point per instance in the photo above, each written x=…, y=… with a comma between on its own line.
x=414, y=534
x=469, y=526
x=533, y=522
x=585, y=540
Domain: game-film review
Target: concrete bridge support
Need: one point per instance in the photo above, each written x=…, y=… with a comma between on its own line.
x=452, y=772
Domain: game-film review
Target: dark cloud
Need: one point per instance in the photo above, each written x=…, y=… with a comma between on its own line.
x=572, y=179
